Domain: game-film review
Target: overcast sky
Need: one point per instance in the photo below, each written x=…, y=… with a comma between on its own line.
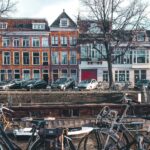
x=49, y=9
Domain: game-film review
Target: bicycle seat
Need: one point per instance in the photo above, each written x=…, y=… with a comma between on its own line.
x=39, y=123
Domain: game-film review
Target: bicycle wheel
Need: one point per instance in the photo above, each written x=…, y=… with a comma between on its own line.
x=98, y=140
x=40, y=145
x=68, y=145
x=3, y=146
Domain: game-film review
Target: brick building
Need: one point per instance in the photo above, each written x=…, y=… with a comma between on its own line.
x=24, y=49
x=64, y=49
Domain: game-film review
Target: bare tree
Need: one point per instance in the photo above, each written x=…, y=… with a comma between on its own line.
x=6, y=7
x=116, y=19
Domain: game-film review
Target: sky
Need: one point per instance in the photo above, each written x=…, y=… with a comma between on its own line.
x=48, y=9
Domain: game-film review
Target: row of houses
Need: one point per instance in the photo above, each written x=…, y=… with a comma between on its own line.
x=30, y=48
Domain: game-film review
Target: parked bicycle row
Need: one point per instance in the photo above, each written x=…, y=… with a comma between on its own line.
x=111, y=131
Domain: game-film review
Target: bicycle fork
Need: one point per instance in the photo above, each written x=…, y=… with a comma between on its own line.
x=140, y=141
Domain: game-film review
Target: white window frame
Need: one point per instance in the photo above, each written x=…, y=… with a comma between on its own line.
x=23, y=73
x=63, y=52
x=25, y=40
x=64, y=41
x=3, y=25
x=73, y=75
x=34, y=73
x=62, y=73
x=38, y=26
x=14, y=58
x=45, y=42
x=72, y=40
x=56, y=58
x=34, y=42
x=62, y=21
x=16, y=42
x=35, y=56
x=73, y=58
x=54, y=40
x=5, y=41
x=44, y=58
x=23, y=58
x=9, y=58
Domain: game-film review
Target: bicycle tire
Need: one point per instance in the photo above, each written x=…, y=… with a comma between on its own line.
x=46, y=144
x=3, y=146
x=95, y=141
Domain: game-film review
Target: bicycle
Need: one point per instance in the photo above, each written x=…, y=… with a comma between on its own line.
x=41, y=139
x=112, y=132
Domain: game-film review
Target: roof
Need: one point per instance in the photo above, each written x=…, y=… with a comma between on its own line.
x=56, y=23
x=23, y=24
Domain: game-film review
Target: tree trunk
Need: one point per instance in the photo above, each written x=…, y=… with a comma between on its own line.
x=110, y=73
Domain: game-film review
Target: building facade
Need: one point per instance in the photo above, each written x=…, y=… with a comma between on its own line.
x=64, y=48
x=132, y=66
x=24, y=49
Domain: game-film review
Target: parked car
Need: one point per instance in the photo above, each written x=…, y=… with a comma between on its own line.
x=28, y=82
x=142, y=83
x=17, y=84
x=63, y=83
x=88, y=84
x=5, y=85
x=38, y=84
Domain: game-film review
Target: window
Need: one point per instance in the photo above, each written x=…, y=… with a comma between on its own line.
x=141, y=37
x=73, y=41
x=5, y=41
x=64, y=22
x=105, y=76
x=64, y=58
x=26, y=42
x=36, y=58
x=45, y=58
x=6, y=58
x=45, y=42
x=55, y=74
x=36, y=74
x=74, y=74
x=141, y=56
x=16, y=58
x=55, y=58
x=64, y=41
x=16, y=42
x=123, y=58
x=35, y=42
x=3, y=25
x=38, y=26
x=26, y=58
x=54, y=41
x=122, y=75
x=26, y=74
x=3, y=75
x=64, y=73
x=10, y=76
x=17, y=74
x=73, y=57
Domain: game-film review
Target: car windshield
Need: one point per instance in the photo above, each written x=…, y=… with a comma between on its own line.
x=61, y=80
x=85, y=81
x=142, y=81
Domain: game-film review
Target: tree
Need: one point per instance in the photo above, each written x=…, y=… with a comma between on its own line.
x=6, y=7
x=116, y=19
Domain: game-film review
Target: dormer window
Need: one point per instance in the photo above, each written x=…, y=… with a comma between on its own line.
x=141, y=37
x=38, y=26
x=3, y=25
x=64, y=22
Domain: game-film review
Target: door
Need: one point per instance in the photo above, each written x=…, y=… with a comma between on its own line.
x=88, y=74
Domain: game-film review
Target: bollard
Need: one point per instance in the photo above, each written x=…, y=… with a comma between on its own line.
x=139, y=97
